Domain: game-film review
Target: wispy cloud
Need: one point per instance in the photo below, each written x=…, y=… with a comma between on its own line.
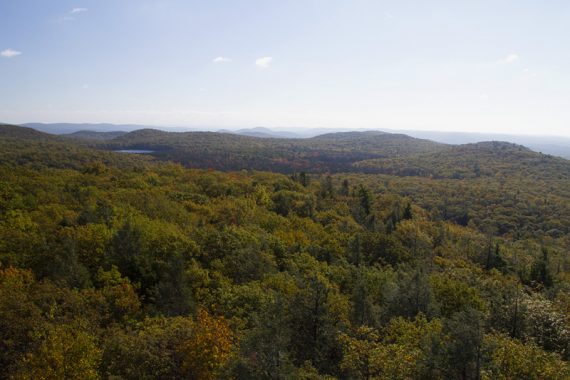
x=70, y=16
x=263, y=62
x=9, y=53
x=221, y=60
x=511, y=58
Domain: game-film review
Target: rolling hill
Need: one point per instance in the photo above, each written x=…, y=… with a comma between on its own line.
x=95, y=135
x=484, y=159
x=327, y=153
x=23, y=146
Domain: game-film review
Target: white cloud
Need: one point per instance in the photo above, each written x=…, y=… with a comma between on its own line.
x=263, y=62
x=509, y=59
x=70, y=16
x=9, y=53
x=221, y=60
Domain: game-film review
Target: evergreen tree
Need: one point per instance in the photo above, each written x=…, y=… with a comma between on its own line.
x=365, y=199
x=407, y=212
x=345, y=189
x=540, y=272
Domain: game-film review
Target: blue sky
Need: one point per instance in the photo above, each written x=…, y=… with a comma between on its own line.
x=488, y=66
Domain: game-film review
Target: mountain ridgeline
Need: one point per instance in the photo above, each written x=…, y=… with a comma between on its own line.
x=94, y=135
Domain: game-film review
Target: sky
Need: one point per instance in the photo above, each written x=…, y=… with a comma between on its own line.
x=448, y=65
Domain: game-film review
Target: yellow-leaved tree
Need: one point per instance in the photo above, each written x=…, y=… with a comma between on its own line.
x=209, y=347
x=66, y=352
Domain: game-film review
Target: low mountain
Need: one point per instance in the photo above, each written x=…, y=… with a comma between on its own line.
x=228, y=151
x=15, y=131
x=555, y=145
x=262, y=132
x=484, y=159
x=95, y=135
x=352, y=135
x=267, y=133
x=67, y=128
x=23, y=146
x=378, y=142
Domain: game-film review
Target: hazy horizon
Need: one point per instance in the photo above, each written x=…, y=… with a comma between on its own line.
x=300, y=130
x=444, y=66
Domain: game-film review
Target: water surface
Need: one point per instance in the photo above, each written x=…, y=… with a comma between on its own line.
x=135, y=151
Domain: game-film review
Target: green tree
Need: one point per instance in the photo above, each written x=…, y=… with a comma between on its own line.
x=317, y=314
x=365, y=200
x=540, y=271
x=65, y=352
x=512, y=359
x=345, y=188
x=463, y=350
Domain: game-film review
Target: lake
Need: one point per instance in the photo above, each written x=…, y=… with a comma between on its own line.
x=135, y=151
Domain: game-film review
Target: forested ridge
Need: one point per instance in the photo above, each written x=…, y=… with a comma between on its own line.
x=224, y=151
x=370, y=256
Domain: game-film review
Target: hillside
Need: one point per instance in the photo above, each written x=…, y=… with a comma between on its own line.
x=94, y=135
x=554, y=145
x=326, y=153
x=370, y=152
x=26, y=147
x=497, y=187
x=8, y=131
x=483, y=159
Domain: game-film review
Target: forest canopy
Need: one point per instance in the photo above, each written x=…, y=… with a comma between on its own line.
x=395, y=259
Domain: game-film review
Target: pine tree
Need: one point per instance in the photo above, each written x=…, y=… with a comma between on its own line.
x=365, y=199
x=540, y=271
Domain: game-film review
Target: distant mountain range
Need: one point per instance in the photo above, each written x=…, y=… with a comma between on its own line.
x=68, y=128
x=555, y=145
x=93, y=135
x=263, y=132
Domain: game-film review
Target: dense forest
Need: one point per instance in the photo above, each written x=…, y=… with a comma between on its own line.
x=335, y=152
x=344, y=256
